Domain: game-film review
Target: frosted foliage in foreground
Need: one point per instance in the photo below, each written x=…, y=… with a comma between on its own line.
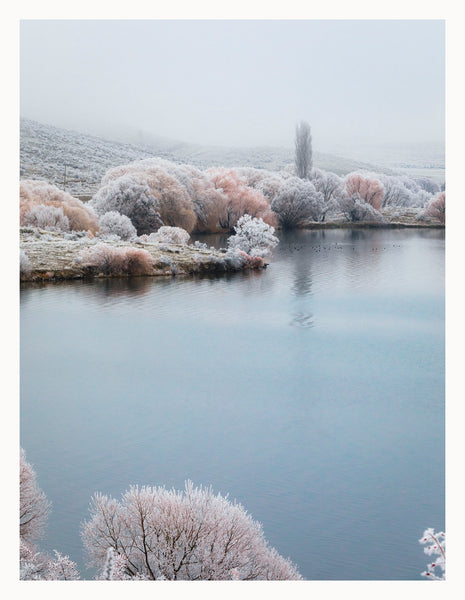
x=33, y=504
x=184, y=535
x=435, y=545
x=253, y=236
x=113, y=223
x=36, y=566
x=170, y=235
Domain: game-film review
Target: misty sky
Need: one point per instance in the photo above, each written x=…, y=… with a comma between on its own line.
x=240, y=83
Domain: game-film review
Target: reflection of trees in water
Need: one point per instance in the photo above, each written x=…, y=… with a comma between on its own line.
x=302, y=315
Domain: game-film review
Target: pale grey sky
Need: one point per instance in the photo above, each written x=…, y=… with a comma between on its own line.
x=240, y=83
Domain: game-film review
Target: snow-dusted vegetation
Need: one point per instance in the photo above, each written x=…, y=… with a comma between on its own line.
x=253, y=236
x=153, y=534
x=192, y=534
x=34, y=509
x=113, y=223
x=69, y=213
x=161, y=202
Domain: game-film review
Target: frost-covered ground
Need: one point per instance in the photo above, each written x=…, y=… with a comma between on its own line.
x=77, y=162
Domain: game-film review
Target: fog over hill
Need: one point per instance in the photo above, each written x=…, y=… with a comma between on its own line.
x=77, y=161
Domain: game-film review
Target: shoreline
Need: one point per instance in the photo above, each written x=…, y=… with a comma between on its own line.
x=52, y=257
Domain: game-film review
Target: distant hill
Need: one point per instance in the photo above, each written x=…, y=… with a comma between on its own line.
x=77, y=161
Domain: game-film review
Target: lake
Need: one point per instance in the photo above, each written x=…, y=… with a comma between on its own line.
x=312, y=392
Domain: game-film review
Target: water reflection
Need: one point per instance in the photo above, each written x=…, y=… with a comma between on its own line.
x=301, y=289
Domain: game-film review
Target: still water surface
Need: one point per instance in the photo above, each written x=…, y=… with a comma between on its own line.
x=312, y=392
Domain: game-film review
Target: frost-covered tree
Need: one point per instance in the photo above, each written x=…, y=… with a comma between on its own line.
x=167, y=183
x=396, y=193
x=33, y=511
x=297, y=202
x=169, y=235
x=303, y=150
x=253, y=236
x=330, y=186
x=428, y=184
x=131, y=197
x=33, y=504
x=436, y=207
x=179, y=535
x=114, y=223
x=435, y=545
x=239, y=198
x=32, y=193
x=365, y=188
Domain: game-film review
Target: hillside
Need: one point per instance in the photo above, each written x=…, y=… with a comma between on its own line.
x=77, y=162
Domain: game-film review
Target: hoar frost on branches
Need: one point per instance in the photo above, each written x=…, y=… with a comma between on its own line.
x=155, y=533
x=33, y=504
x=435, y=545
x=131, y=197
x=253, y=236
x=33, y=511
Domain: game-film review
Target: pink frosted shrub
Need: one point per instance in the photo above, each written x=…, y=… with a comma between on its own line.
x=114, y=223
x=436, y=208
x=240, y=199
x=46, y=217
x=180, y=535
x=118, y=261
x=365, y=188
x=138, y=261
x=170, y=235
x=80, y=216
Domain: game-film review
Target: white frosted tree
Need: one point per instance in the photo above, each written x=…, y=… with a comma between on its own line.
x=155, y=533
x=297, y=202
x=253, y=236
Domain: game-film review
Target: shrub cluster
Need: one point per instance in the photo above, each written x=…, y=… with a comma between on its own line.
x=70, y=213
x=118, y=261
